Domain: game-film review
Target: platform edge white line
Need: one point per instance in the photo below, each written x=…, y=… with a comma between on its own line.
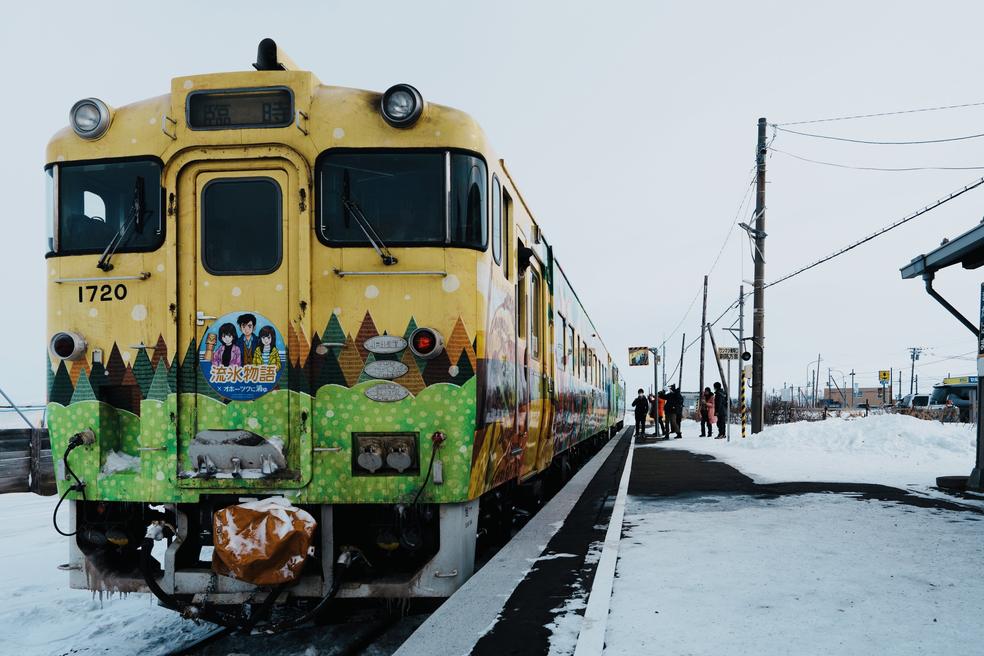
x=591, y=639
x=474, y=609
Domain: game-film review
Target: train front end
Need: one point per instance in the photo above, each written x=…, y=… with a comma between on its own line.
x=264, y=304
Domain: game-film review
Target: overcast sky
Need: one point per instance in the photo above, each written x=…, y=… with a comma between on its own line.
x=630, y=128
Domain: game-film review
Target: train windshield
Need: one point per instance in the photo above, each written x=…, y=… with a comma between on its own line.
x=404, y=197
x=94, y=201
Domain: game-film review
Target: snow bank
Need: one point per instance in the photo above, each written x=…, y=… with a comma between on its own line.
x=40, y=615
x=895, y=450
x=808, y=575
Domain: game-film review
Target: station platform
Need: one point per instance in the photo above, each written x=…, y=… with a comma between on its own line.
x=550, y=589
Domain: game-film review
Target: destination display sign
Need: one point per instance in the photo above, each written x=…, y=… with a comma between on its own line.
x=254, y=108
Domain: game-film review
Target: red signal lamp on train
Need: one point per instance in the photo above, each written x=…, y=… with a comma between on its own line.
x=426, y=343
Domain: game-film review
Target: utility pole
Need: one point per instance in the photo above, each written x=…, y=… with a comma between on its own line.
x=852, y=387
x=758, y=325
x=816, y=382
x=914, y=352
x=683, y=347
x=703, y=333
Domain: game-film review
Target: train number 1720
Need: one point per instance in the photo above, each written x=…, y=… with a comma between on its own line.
x=102, y=293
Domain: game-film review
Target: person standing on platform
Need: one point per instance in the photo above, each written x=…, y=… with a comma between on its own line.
x=641, y=407
x=674, y=410
x=707, y=412
x=661, y=412
x=720, y=408
x=653, y=415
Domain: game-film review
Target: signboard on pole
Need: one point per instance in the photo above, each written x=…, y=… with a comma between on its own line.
x=884, y=376
x=728, y=353
x=639, y=356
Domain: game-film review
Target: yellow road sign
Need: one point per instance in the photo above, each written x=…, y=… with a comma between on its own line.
x=884, y=376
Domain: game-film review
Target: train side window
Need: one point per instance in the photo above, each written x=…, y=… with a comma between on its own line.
x=241, y=226
x=521, y=307
x=560, y=335
x=507, y=219
x=469, y=222
x=536, y=307
x=496, y=220
x=569, y=350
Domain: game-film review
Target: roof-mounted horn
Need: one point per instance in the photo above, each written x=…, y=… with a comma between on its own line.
x=269, y=57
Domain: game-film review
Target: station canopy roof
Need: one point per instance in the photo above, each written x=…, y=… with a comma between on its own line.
x=966, y=250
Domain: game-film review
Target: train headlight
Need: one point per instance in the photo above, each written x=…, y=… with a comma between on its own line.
x=426, y=343
x=66, y=346
x=90, y=118
x=401, y=105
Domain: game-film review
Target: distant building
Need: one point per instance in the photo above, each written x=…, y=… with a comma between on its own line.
x=873, y=395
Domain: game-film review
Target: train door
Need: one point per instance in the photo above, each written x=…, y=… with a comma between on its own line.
x=239, y=239
x=522, y=351
x=538, y=352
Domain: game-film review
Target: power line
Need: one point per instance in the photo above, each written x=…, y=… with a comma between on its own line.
x=879, y=143
x=877, y=168
x=904, y=111
x=879, y=233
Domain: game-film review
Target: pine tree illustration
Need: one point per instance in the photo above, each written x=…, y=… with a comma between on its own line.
x=187, y=372
x=172, y=375
x=283, y=382
x=412, y=380
x=459, y=343
x=314, y=361
x=143, y=371
x=61, y=387
x=78, y=366
x=437, y=370
x=50, y=372
x=159, y=389
x=366, y=331
x=363, y=377
x=331, y=372
x=298, y=379
x=465, y=371
x=350, y=362
x=334, y=334
x=132, y=388
x=293, y=345
x=115, y=367
x=83, y=390
x=297, y=344
x=160, y=353
x=202, y=387
x=97, y=377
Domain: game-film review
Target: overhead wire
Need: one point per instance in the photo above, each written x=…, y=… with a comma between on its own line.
x=877, y=114
x=876, y=168
x=878, y=233
x=879, y=143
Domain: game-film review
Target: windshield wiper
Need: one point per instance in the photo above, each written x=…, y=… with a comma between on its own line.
x=137, y=212
x=360, y=218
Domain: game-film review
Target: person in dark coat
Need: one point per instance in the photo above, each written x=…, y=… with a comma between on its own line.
x=641, y=406
x=674, y=411
x=720, y=408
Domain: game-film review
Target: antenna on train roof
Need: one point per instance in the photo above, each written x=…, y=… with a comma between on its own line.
x=270, y=57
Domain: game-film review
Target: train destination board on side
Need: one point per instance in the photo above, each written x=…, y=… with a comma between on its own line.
x=253, y=108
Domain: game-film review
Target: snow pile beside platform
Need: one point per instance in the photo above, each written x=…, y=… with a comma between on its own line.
x=40, y=615
x=895, y=450
x=806, y=574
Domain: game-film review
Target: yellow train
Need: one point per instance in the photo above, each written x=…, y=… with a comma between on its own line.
x=261, y=286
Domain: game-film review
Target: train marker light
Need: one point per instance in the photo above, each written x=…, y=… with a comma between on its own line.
x=90, y=118
x=401, y=105
x=66, y=345
x=426, y=343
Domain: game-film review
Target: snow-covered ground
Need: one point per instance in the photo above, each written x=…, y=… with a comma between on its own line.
x=41, y=616
x=895, y=450
x=803, y=575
